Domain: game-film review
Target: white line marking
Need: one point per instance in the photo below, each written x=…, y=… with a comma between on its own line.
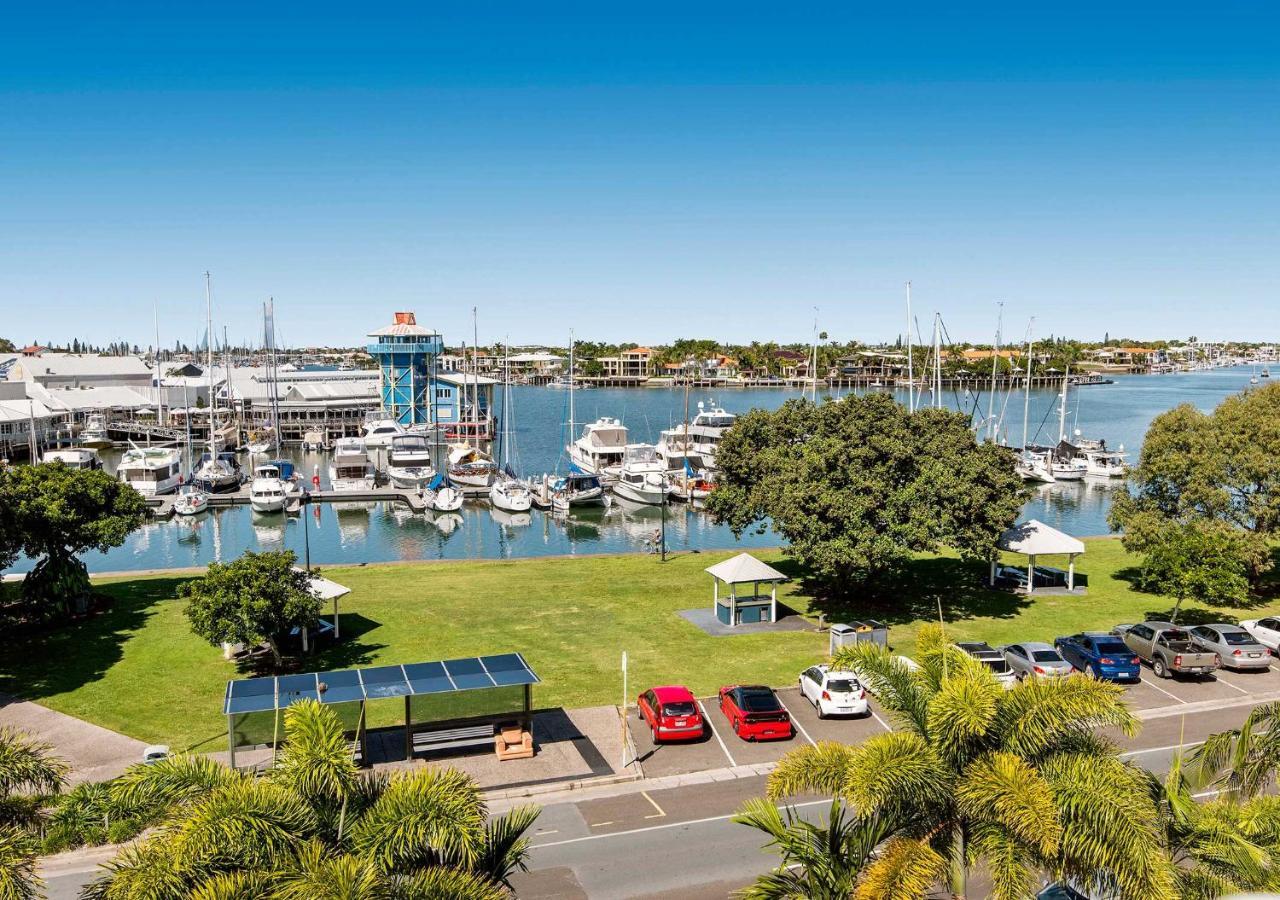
x=614, y=834
x=706, y=717
x=796, y=722
x=883, y=723
x=1189, y=745
x=600, y=824
x=549, y=831
x=1234, y=687
x=660, y=812
x=1161, y=690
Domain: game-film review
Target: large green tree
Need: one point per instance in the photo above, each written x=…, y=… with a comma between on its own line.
x=59, y=513
x=1018, y=780
x=257, y=598
x=27, y=770
x=1200, y=559
x=860, y=485
x=314, y=828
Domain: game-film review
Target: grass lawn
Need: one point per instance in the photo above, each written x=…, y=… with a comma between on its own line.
x=138, y=670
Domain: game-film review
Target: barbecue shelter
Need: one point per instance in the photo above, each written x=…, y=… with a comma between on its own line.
x=1034, y=538
x=751, y=605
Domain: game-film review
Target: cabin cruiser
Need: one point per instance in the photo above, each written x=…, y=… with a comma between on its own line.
x=378, y=434
x=509, y=493
x=409, y=462
x=576, y=489
x=218, y=474
x=274, y=486
x=674, y=448
x=705, y=433
x=1099, y=461
x=151, y=471
x=94, y=434
x=349, y=468
x=690, y=485
x=600, y=449
x=191, y=501
x=1033, y=467
x=74, y=458
x=643, y=477
x=1060, y=462
x=469, y=468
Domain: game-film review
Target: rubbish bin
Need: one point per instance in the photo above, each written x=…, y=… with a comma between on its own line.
x=876, y=632
x=841, y=636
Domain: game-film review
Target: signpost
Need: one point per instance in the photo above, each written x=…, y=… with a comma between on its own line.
x=623, y=720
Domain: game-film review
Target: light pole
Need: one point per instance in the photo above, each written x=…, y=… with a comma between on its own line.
x=663, y=538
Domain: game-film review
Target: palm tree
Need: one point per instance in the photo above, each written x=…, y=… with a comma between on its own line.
x=1018, y=780
x=314, y=827
x=26, y=771
x=1242, y=762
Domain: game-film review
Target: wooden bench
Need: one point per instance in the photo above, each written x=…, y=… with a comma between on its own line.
x=446, y=738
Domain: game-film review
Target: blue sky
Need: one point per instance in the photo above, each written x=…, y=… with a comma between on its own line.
x=643, y=176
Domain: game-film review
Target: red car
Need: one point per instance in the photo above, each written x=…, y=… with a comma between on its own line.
x=672, y=713
x=755, y=713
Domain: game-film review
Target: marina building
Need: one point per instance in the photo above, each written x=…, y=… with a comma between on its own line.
x=406, y=353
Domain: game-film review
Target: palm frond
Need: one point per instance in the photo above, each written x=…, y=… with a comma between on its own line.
x=26, y=764
x=962, y=711
x=905, y=870
x=143, y=871
x=316, y=761
x=1009, y=864
x=422, y=818
x=172, y=781
x=900, y=691
x=319, y=874
x=236, y=886
x=446, y=884
x=821, y=768
x=1244, y=760
x=243, y=825
x=506, y=844
x=18, y=880
x=1005, y=791
x=1038, y=715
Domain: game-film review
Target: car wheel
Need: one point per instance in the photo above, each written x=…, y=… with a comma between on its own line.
x=818, y=706
x=1158, y=667
x=1094, y=673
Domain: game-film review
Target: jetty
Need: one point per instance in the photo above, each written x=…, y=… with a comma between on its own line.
x=162, y=507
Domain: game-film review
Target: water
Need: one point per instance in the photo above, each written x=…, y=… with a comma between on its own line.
x=374, y=532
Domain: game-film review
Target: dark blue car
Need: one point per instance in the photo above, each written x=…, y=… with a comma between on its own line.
x=1101, y=655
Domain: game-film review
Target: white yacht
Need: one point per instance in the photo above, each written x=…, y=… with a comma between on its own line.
x=267, y=491
x=94, y=434
x=74, y=457
x=217, y=473
x=600, y=449
x=643, y=477
x=1100, y=461
x=378, y=434
x=510, y=494
x=191, y=501
x=674, y=449
x=1032, y=466
x=151, y=471
x=409, y=462
x=469, y=468
x=574, y=489
x=705, y=433
x=446, y=499
x=349, y=468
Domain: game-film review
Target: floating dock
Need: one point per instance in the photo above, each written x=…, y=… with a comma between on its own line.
x=162, y=507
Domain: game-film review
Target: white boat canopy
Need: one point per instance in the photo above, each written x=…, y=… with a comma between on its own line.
x=1034, y=538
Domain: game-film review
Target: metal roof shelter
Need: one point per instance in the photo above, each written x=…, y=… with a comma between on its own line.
x=745, y=569
x=270, y=694
x=1033, y=538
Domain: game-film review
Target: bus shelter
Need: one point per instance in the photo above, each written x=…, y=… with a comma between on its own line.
x=436, y=696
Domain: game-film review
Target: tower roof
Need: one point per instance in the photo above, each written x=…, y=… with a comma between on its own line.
x=405, y=325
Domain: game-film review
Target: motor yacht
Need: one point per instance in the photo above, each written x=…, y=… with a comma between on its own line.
x=349, y=468
x=599, y=450
x=151, y=471
x=643, y=477
x=74, y=458
x=409, y=462
x=274, y=486
x=1100, y=461
x=674, y=447
x=705, y=433
x=378, y=433
x=94, y=434
x=576, y=489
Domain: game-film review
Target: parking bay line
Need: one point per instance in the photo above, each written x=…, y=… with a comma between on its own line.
x=614, y=834
x=1234, y=687
x=706, y=717
x=660, y=814
x=796, y=722
x=1161, y=690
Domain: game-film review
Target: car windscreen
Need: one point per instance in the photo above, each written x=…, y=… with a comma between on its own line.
x=1237, y=638
x=759, y=701
x=679, y=708
x=842, y=685
x=1112, y=647
x=1049, y=656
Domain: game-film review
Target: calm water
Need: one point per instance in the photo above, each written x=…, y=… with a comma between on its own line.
x=356, y=533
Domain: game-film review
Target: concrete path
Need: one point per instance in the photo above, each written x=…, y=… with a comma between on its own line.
x=94, y=753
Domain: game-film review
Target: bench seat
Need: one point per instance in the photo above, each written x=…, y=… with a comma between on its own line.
x=446, y=738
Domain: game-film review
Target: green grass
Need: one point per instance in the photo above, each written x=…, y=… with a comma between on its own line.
x=138, y=670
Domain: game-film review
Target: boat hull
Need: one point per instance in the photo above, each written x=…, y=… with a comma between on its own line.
x=446, y=500
x=648, y=494
x=410, y=478
x=510, y=498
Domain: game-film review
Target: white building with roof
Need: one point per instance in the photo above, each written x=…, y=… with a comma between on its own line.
x=62, y=370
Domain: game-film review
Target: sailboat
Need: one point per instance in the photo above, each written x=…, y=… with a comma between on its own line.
x=1061, y=460
x=508, y=492
x=216, y=472
x=191, y=500
x=1030, y=465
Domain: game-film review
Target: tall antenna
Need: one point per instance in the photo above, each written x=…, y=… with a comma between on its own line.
x=995, y=360
x=911, y=378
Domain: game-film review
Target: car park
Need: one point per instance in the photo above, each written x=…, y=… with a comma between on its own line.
x=1265, y=631
x=1101, y=655
x=1036, y=659
x=671, y=712
x=991, y=658
x=1169, y=650
x=1235, y=646
x=755, y=713
x=833, y=692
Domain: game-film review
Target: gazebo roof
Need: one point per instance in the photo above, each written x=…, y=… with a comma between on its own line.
x=325, y=589
x=744, y=569
x=1034, y=538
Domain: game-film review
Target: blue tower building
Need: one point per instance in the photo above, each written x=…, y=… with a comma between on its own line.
x=406, y=353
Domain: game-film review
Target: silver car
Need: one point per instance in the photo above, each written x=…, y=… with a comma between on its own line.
x=1235, y=646
x=1036, y=660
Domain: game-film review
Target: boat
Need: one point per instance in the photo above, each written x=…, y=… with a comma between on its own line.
x=508, y=492
x=218, y=474
x=274, y=486
x=1032, y=466
x=409, y=462
x=705, y=433
x=561, y=383
x=674, y=447
x=600, y=448
x=315, y=441
x=74, y=458
x=576, y=489
x=349, y=468
x=94, y=434
x=1265, y=373
x=151, y=471
x=191, y=501
x=377, y=434
x=441, y=496
x=1099, y=460
x=469, y=468
x=643, y=477
x=691, y=485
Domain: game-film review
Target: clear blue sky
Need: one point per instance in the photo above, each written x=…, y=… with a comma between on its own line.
x=714, y=173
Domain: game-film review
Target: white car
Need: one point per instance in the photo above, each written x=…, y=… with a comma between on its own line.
x=833, y=693
x=1265, y=631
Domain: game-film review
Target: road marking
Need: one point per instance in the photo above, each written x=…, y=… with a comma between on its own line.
x=548, y=831
x=614, y=834
x=600, y=824
x=796, y=722
x=1161, y=690
x=1186, y=746
x=706, y=717
x=660, y=812
x=883, y=723
x=1234, y=687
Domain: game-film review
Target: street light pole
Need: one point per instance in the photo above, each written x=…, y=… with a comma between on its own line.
x=663, y=539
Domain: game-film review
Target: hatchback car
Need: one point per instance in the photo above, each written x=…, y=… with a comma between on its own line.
x=833, y=693
x=1235, y=647
x=755, y=713
x=1036, y=659
x=1265, y=631
x=991, y=658
x=671, y=713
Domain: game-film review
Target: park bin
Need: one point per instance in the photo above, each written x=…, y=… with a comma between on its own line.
x=841, y=636
x=872, y=631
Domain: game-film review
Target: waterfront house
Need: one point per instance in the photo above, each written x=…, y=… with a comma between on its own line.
x=633, y=363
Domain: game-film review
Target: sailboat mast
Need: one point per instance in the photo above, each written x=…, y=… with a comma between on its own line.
x=995, y=361
x=1062, y=406
x=813, y=372
x=155, y=361
x=937, y=362
x=572, y=379
x=475, y=376
x=208, y=311
x=1026, y=387
x=911, y=378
